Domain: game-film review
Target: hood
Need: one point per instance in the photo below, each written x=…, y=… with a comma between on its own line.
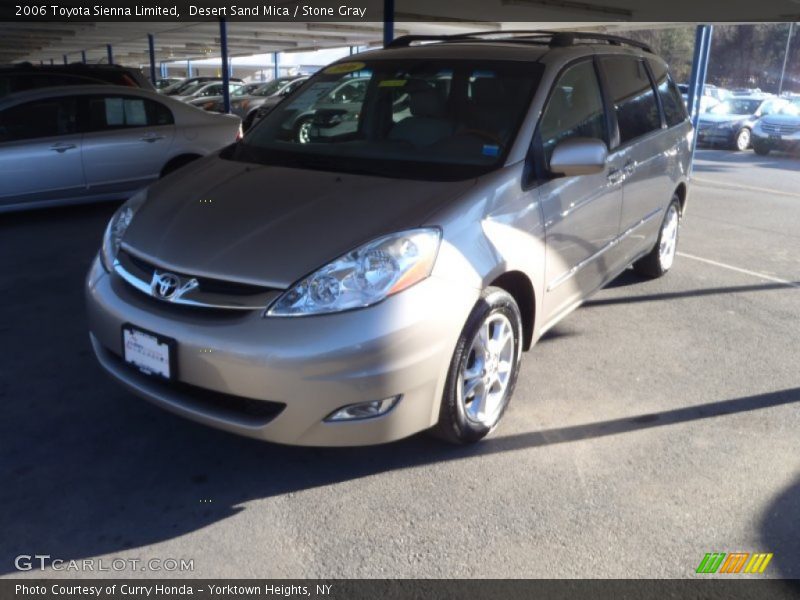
x=268, y=225
x=713, y=119
x=793, y=120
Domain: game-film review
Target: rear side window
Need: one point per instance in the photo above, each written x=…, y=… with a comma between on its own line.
x=120, y=112
x=39, y=119
x=575, y=109
x=633, y=96
x=671, y=100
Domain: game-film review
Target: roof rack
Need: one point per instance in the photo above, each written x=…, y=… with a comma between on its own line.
x=554, y=39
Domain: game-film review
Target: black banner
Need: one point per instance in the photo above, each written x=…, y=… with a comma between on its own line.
x=373, y=11
x=409, y=589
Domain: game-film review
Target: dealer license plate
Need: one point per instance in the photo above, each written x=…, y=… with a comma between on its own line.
x=148, y=352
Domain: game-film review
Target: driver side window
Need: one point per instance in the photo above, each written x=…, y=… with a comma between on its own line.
x=574, y=109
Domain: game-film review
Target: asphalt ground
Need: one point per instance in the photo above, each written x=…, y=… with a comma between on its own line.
x=655, y=424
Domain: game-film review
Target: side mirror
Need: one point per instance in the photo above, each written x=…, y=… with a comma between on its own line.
x=579, y=156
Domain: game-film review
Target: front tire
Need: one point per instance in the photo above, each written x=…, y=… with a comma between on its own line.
x=483, y=371
x=761, y=149
x=659, y=260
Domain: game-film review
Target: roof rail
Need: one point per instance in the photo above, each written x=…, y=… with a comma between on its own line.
x=555, y=39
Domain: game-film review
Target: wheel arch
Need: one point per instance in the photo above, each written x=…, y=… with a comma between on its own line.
x=519, y=285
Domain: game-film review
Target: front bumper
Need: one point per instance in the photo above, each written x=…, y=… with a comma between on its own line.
x=784, y=142
x=713, y=136
x=278, y=378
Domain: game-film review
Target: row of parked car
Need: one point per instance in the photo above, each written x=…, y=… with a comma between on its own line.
x=249, y=101
x=740, y=119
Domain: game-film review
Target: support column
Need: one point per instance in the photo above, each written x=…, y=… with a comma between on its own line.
x=110, y=54
x=83, y=56
x=223, y=46
x=151, y=42
x=188, y=68
x=697, y=81
x=276, y=69
x=388, y=21
x=65, y=60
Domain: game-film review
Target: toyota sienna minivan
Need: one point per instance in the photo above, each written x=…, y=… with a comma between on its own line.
x=358, y=287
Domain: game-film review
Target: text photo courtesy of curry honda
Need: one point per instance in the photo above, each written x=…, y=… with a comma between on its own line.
x=278, y=274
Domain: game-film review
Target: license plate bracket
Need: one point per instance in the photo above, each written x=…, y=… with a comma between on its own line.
x=153, y=354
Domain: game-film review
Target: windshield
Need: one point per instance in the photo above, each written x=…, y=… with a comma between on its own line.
x=271, y=87
x=243, y=90
x=736, y=107
x=429, y=119
x=192, y=88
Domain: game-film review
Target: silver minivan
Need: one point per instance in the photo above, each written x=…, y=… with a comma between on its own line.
x=358, y=287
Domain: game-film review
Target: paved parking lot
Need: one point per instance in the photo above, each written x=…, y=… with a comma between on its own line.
x=655, y=424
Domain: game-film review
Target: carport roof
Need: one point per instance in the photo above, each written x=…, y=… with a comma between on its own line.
x=34, y=42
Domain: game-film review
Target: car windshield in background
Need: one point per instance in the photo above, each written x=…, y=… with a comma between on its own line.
x=427, y=119
x=736, y=107
x=270, y=88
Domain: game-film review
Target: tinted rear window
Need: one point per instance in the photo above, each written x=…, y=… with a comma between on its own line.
x=633, y=96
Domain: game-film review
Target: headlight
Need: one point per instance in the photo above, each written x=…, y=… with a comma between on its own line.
x=117, y=227
x=363, y=276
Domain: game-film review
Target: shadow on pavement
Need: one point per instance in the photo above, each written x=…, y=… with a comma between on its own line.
x=737, y=289
x=780, y=534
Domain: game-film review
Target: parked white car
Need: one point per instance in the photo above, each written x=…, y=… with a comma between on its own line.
x=72, y=144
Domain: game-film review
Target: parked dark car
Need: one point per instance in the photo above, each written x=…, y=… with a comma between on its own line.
x=26, y=76
x=730, y=123
x=780, y=130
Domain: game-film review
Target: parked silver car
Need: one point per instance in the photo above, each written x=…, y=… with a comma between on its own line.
x=97, y=142
x=265, y=105
x=205, y=90
x=361, y=288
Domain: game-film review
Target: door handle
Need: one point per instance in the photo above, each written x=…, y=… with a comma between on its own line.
x=61, y=148
x=629, y=167
x=151, y=138
x=616, y=176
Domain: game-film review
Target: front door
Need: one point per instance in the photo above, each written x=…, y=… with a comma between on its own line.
x=581, y=214
x=126, y=142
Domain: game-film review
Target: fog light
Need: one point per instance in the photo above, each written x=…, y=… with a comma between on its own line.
x=363, y=410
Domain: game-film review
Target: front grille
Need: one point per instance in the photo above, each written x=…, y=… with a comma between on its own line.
x=209, y=293
x=255, y=412
x=780, y=128
x=212, y=286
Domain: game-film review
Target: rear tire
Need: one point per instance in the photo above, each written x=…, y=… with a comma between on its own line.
x=742, y=140
x=659, y=260
x=483, y=371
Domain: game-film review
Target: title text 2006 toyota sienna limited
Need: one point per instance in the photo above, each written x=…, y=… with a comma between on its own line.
x=381, y=272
